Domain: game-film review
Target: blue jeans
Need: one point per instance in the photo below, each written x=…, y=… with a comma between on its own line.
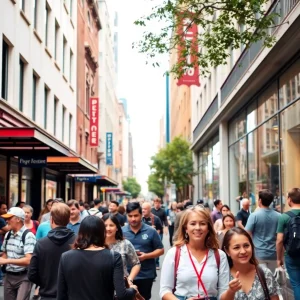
x=157, y=259
x=293, y=269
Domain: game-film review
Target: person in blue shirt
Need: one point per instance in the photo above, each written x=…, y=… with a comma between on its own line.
x=75, y=219
x=262, y=225
x=148, y=246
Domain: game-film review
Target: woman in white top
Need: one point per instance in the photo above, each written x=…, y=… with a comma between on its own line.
x=203, y=271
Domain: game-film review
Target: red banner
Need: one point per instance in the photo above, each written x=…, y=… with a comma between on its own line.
x=94, y=124
x=188, y=32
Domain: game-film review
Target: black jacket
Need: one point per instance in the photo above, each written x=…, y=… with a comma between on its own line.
x=43, y=268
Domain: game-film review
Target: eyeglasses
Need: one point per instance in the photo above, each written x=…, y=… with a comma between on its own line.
x=195, y=206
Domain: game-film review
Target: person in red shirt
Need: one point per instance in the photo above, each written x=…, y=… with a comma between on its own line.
x=32, y=225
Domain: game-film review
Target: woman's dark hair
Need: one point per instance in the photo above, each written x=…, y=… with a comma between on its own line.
x=91, y=232
x=114, y=219
x=226, y=206
x=226, y=242
x=229, y=215
x=133, y=206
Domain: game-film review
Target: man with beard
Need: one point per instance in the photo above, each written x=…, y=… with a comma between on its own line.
x=147, y=244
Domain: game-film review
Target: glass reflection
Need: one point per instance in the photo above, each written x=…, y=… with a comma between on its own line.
x=290, y=149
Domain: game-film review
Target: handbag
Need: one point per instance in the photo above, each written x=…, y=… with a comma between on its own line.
x=262, y=279
x=137, y=296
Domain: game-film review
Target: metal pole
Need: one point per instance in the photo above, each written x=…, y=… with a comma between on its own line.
x=167, y=110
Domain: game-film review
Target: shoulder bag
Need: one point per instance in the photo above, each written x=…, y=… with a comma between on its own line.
x=261, y=275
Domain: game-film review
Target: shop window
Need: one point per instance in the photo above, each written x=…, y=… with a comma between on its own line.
x=290, y=150
x=26, y=184
x=267, y=103
x=252, y=116
x=13, y=184
x=289, y=84
x=51, y=189
x=263, y=160
x=238, y=172
x=4, y=79
x=237, y=128
x=3, y=180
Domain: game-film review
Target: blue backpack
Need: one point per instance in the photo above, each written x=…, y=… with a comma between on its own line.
x=292, y=235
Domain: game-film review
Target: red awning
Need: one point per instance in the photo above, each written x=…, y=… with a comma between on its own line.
x=30, y=141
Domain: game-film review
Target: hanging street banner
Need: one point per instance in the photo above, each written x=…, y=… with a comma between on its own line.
x=189, y=34
x=109, y=148
x=94, y=122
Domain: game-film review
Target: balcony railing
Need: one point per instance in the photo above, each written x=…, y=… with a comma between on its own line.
x=281, y=7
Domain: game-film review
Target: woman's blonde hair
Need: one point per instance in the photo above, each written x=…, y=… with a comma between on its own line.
x=211, y=241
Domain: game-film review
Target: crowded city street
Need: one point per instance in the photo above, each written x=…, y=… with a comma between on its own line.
x=150, y=150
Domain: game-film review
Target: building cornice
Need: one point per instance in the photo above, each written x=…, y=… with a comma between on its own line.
x=95, y=13
x=90, y=57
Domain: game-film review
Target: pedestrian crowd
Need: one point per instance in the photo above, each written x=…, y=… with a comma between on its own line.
x=81, y=251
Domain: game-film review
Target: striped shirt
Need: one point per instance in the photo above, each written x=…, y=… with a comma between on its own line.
x=15, y=249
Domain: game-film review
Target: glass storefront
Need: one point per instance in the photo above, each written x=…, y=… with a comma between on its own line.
x=26, y=184
x=264, y=151
x=51, y=189
x=208, y=168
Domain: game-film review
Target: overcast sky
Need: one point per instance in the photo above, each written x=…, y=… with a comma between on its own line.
x=142, y=85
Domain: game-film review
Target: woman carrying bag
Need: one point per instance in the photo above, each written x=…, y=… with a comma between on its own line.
x=195, y=268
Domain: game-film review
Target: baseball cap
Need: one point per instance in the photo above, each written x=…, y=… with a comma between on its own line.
x=14, y=211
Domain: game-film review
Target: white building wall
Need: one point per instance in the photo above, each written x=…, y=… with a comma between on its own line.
x=27, y=43
x=125, y=143
x=109, y=111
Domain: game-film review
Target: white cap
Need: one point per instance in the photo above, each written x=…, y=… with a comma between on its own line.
x=14, y=211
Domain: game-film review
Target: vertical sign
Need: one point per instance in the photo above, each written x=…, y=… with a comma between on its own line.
x=94, y=124
x=188, y=32
x=109, y=148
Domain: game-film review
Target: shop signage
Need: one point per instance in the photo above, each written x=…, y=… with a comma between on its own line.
x=109, y=148
x=94, y=124
x=32, y=162
x=188, y=31
x=85, y=179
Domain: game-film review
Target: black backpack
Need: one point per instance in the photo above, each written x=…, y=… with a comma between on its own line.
x=3, y=268
x=292, y=235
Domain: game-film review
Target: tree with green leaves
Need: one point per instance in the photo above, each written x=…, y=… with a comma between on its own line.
x=174, y=163
x=224, y=24
x=156, y=185
x=132, y=186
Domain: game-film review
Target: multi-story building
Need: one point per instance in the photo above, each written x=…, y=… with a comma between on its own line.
x=109, y=106
x=38, y=50
x=162, y=133
x=123, y=138
x=130, y=156
x=88, y=26
x=246, y=118
x=180, y=104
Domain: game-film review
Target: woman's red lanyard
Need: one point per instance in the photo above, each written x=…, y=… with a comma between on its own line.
x=199, y=275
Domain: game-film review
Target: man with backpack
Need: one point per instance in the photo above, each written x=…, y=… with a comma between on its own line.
x=18, y=246
x=288, y=237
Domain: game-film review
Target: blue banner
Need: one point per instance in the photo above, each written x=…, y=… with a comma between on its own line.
x=109, y=148
x=85, y=179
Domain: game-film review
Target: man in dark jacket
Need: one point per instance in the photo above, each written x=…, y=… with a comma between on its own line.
x=44, y=263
